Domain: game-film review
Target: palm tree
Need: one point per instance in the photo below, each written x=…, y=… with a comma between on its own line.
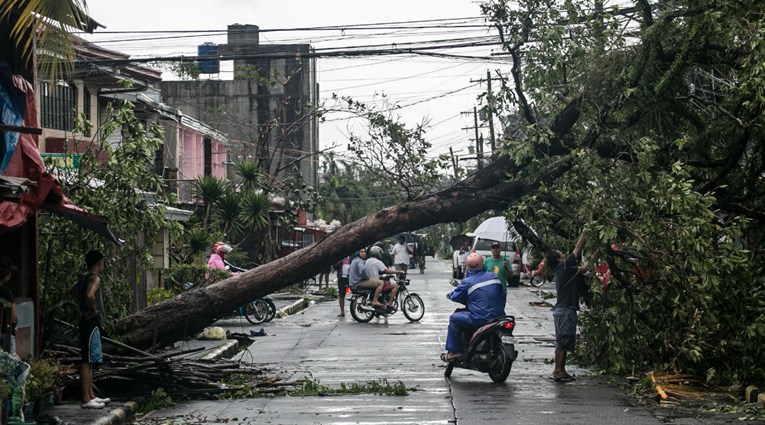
x=46, y=23
x=228, y=211
x=210, y=189
x=256, y=207
x=250, y=174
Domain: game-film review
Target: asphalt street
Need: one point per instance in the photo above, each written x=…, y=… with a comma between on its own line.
x=335, y=350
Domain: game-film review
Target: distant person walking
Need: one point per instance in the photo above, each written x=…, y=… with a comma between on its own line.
x=92, y=317
x=343, y=267
x=401, y=253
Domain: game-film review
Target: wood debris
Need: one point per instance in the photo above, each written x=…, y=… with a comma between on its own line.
x=178, y=374
x=679, y=385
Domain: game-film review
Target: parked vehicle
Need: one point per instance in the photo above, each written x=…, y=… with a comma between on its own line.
x=491, y=349
x=258, y=310
x=409, y=303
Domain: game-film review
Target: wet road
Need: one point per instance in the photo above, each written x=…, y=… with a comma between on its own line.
x=339, y=350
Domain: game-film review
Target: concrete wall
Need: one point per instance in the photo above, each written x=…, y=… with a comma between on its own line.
x=240, y=108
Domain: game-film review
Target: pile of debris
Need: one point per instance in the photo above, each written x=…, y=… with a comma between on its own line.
x=179, y=374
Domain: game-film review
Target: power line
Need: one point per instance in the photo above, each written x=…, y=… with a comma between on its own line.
x=318, y=28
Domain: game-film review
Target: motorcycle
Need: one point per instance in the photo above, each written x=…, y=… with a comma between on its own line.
x=490, y=349
x=410, y=304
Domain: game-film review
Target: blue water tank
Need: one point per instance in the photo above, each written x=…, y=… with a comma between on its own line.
x=208, y=50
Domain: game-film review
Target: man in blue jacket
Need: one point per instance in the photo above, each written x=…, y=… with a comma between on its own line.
x=481, y=292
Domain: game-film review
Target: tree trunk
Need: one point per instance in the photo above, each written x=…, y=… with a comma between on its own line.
x=192, y=311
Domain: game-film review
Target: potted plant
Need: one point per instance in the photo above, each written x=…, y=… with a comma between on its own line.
x=40, y=384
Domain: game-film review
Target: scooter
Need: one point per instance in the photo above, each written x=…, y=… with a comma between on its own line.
x=491, y=350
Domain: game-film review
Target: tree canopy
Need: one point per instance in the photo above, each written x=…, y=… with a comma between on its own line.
x=666, y=160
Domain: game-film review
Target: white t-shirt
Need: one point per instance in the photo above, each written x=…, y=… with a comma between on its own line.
x=400, y=254
x=374, y=267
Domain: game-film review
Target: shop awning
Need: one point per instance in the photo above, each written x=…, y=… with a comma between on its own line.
x=84, y=219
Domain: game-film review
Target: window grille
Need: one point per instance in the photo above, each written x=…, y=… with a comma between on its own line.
x=58, y=105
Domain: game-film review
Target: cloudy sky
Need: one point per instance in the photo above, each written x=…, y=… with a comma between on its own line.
x=432, y=88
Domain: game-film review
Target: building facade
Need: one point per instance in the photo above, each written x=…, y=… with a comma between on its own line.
x=268, y=111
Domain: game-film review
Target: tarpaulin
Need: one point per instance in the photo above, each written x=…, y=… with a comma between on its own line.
x=26, y=162
x=11, y=113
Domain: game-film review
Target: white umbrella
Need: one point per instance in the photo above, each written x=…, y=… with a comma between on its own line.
x=495, y=229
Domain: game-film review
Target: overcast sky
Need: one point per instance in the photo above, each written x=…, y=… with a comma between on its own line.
x=433, y=88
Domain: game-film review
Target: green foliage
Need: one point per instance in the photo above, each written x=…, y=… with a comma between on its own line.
x=42, y=377
x=159, y=399
x=255, y=209
x=312, y=387
x=665, y=161
x=331, y=292
x=249, y=172
x=395, y=155
x=157, y=294
x=5, y=389
x=110, y=182
x=185, y=70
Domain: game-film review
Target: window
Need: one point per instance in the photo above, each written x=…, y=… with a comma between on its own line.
x=58, y=105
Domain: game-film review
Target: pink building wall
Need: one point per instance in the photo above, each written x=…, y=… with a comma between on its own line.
x=218, y=159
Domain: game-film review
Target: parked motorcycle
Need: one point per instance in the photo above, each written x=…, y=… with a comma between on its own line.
x=409, y=303
x=491, y=350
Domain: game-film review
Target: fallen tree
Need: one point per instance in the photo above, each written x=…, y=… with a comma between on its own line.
x=645, y=127
x=192, y=311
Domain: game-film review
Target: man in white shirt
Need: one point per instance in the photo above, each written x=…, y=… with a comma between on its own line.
x=375, y=266
x=401, y=254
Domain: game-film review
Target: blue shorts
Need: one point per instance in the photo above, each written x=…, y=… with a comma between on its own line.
x=565, y=328
x=90, y=341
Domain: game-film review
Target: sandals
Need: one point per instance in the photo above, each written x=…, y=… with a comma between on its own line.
x=446, y=358
x=563, y=379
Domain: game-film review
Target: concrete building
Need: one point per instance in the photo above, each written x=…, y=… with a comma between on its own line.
x=267, y=111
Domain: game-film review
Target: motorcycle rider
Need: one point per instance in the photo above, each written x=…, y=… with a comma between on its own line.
x=216, y=261
x=481, y=292
x=359, y=278
x=375, y=266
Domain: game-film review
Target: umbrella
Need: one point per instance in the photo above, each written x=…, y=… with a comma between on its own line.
x=495, y=229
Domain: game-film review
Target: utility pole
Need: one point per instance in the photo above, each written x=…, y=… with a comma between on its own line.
x=478, y=139
x=454, y=163
x=490, y=111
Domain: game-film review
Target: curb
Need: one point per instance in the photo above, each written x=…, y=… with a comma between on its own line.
x=119, y=415
x=293, y=308
x=227, y=349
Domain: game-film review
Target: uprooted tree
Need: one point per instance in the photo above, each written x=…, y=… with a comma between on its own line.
x=644, y=127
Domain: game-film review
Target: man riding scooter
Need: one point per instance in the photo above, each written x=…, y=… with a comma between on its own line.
x=481, y=292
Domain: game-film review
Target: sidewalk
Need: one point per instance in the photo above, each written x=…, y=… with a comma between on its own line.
x=121, y=411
